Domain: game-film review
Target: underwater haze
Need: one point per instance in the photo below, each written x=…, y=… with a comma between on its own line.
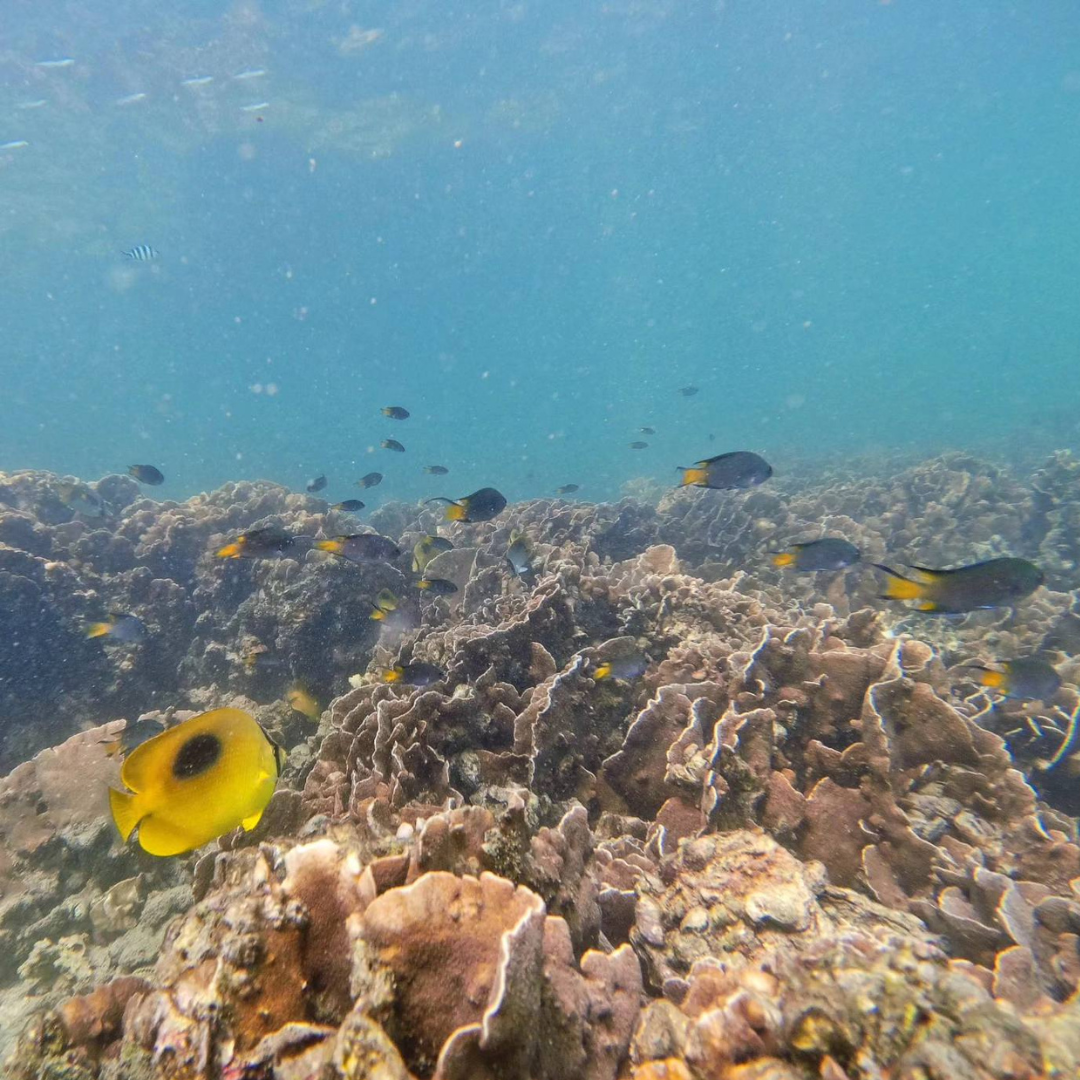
x=539, y=540
x=852, y=225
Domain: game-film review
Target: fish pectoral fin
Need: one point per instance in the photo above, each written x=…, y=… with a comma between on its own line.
x=125, y=811
x=927, y=605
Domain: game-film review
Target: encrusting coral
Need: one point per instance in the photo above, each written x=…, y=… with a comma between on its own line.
x=804, y=843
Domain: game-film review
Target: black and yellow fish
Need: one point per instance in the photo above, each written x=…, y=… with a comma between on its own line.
x=260, y=658
x=990, y=584
x=81, y=499
x=303, y=701
x=425, y=549
x=437, y=586
x=265, y=543
x=629, y=666
x=370, y=480
x=316, y=483
x=1027, y=677
x=349, y=506
x=147, y=474
x=481, y=505
x=392, y=444
x=828, y=553
x=737, y=469
x=413, y=674
x=396, y=412
x=361, y=547
x=436, y=470
x=384, y=603
x=196, y=781
x=119, y=627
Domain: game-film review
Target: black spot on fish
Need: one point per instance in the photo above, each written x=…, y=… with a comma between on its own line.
x=197, y=755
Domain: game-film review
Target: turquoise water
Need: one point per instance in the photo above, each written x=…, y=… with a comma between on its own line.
x=853, y=225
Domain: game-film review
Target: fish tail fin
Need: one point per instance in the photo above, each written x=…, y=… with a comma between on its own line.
x=693, y=477
x=898, y=587
x=229, y=551
x=125, y=811
x=249, y=823
x=456, y=512
x=333, y=546
x=995, y=680
x=603, y=671
x=377, y=614
x=783, y=558
x=98, y=629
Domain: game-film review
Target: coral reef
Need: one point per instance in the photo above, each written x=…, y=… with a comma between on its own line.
x=804, y=807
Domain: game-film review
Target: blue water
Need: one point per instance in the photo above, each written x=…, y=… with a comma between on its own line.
x=853, y=225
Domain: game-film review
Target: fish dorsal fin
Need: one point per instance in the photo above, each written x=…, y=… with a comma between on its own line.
x=924, y=574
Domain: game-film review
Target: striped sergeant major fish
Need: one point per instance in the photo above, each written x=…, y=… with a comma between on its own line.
x=141, y=253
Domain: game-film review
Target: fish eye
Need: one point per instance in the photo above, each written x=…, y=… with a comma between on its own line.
x=196, y=756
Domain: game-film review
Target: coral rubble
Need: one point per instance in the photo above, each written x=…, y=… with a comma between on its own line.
x=803, y=844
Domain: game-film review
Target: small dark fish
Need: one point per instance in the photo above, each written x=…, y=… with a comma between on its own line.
x=265, y=543
x=135, y=734
x=567, y=489
x=1028, y=677
x=315, y=484
x=437, y=586
x=738, y=469
x=994, y=583
x=146, y=474
x=385, y=602
x=426, y=549
x=689, y=391
x=396, y=412
x=119, y=627
x=647, y=430
x=829, y=553
x=621, y=667
x=140, y=253
x=481, y=505
x=639, y=445
x=361, y=547
x=519, y=557
x=413, y=674
x=392, y=444
x=373, y=479
x=436, y=470
x=349, y=506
